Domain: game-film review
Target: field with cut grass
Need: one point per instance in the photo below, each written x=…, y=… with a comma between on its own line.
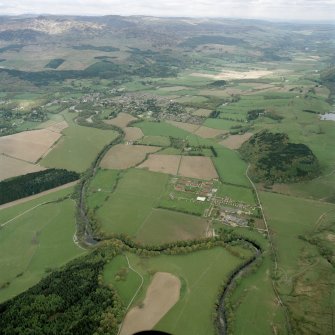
x=162, y=226
x=123, y=156
x=230, y=167
x=168, y=164
x=34, y=239
x=129, y=205
x=160, y=141
x=12, y=167
x=161, y=129
x=78, y=147
x=133, y=133
x=28, y=146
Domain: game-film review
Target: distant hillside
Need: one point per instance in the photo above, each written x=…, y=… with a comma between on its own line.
x=328, y=74
x=274, y=159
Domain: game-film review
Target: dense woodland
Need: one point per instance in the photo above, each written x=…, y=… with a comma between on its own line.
x=274, y=159
x=32, y=183
x=68, y=301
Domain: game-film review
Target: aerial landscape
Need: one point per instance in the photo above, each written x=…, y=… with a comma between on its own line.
x=171, y=173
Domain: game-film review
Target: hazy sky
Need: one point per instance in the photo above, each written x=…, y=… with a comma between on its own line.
x=271, y=9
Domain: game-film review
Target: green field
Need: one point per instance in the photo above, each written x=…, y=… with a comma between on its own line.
x=304, y=272
x=136, y=194
x=201, y=274
x=155, y=140
x=236, y=193
x=159, y=75
x=187, y=204
x=101, y=186
x=78, y=148
x=130, y=208
x=36, y=240
x=161, y=129
x=162, y=226
x=256, y=311
x=221, y=124
x=230, y=167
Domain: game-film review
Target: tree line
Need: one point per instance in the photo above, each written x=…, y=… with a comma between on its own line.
x=33, y=183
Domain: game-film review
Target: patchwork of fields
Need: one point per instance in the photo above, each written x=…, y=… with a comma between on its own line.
x=179, y=114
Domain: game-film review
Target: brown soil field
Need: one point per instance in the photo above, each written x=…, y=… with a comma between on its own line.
x=122, y=120
x=202, y=112
x=12, y=167
x=36, y=196
x=122, y=156
x=228, y=74
x=235, y=141
x=185, y=126
x=207, y=132
x=162, y=163
x=162, y=294
x=188, y=166
x=133, y=133
x=57, y=127
x=197, y=167
x=28, y=145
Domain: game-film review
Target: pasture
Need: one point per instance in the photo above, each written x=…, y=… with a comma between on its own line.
x=237, y=193
x=303, y=269
x=230, y=167
x=201, y=274
x=163, y=226
x=79, y=146
x=160, y=141
x=35, y=238
x=132, y=201
x=161, y=129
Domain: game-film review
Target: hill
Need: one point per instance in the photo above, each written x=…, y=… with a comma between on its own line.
x=274, y=159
